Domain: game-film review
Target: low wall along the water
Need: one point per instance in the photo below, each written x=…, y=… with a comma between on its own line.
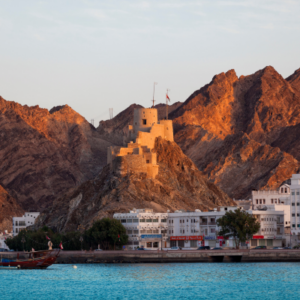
x=180, y=256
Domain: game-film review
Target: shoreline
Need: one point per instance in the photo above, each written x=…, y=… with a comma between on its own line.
x=179, y=256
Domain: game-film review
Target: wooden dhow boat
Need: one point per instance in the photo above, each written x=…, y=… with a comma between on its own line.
x=32, y=260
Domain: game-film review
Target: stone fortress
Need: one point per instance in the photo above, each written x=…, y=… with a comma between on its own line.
x=139, y=138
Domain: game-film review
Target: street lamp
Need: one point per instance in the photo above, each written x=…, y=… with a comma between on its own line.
x=161, y=235
x=23, y=241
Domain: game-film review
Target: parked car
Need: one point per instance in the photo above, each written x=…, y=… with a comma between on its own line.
x=260, y=247
x=287, y=247
x=140, y=248
x=3, y=250
x=175, y=248
x=217, y=248
x=98, y=250
x=204, y=248
x=277, y=248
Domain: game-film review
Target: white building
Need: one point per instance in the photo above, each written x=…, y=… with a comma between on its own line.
x=3, y=236
x=263, y=198
x=295, y=204
x=271, y=232
x=194, y=229
x=144, y=228
x=20, y=223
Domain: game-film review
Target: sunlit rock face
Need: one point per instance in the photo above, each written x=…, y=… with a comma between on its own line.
x=242, y=132
x=44, y=153
x=178, y=185
x=9, y=208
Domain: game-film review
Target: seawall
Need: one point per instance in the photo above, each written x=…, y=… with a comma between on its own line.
x=180, y=256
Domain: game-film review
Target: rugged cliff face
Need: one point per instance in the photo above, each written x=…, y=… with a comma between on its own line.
x=242, y=132
x=9, y=208
x=44, y=153
x=179, y=185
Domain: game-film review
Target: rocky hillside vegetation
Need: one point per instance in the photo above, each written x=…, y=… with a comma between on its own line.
x=179, y=185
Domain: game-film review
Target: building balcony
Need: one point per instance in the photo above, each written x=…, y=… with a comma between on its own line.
x=212, y=223
x=203, y=223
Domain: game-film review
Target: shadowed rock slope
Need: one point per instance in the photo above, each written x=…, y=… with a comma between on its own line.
x=242, y=132
x=179, y=185
x=9, y=208
x=43, y=153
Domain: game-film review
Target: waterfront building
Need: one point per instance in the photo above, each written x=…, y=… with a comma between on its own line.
x=3, y=236
x=20, y=223
x=194, y=229
x=271, y=232
x=144, y=228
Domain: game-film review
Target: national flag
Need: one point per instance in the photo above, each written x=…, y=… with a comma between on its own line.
x=168, y=97
x=48, y=238
x=61, y=246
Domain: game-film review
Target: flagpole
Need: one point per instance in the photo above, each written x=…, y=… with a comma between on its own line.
x=153, y=92
x=167, y=99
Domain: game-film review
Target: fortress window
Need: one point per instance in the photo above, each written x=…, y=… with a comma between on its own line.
x=144, y=121
x=147, y=161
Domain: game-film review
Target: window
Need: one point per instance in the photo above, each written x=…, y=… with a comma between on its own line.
x=260, y=201
x=164, y=220
x=135, y=220
x=298, y=215
x=129, y=221
x=148, y=231
x=298, y=225
x=147, y=161
x=293, y=215
x=149, y=244
x=293, y=225
x=256, y=201
x=293, y=193
x=155, y=220
x=155, y=245
x=264, y=200
x=173, y=244
x=293, y=204
x=123, y=221
x=144, y=121
x=135, y=232
x=281, y=190
x=297, y=193
x=193, y=244
x=149, y=220
x=275, y=201
x=285, y=190
x=22, y=223
x=142, y=220
x=155, y=231
x=181, y=244
x=213, y=230
x=272, y=201
x=187, y=220
x=129, y=231
x=298, y=203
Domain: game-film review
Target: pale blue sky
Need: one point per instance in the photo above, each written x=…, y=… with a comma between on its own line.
x=93, y=55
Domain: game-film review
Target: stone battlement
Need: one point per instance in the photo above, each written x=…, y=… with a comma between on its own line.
x=139, y=141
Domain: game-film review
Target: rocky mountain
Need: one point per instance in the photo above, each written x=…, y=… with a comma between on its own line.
x=9, y=208
x=113, y=130
x=44, y=153
x=178, y=185
x=242, y=132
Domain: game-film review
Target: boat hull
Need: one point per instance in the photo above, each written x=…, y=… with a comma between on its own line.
x=36, y=260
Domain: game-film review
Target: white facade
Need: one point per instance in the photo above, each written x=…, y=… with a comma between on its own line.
x=144, y=228
x=20, y=223
x=3, y=237
x=263, y=198
x=271, y=232
x=295, y=204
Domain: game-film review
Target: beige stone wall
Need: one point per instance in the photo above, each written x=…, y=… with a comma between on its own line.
x=140, y=139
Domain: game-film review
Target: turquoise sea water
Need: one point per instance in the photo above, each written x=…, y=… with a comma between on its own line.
x=155, y=281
